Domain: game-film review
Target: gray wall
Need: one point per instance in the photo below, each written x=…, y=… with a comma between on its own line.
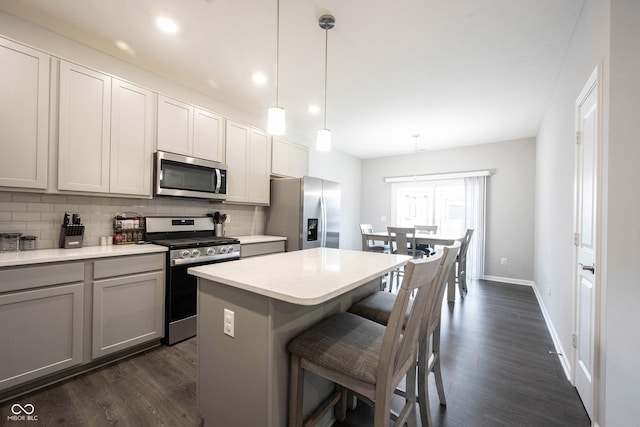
x=510, y=196
x=607, y=34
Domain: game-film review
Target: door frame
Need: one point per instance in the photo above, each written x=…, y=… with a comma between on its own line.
x=595, y=79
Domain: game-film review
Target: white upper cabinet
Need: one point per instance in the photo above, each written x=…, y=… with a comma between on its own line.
x=24, y=115
x=131, y=139
x=208, y=135
x=189, y=130
x=289, y=159
x=248, y=163
x=105, y=134
x=84, y=129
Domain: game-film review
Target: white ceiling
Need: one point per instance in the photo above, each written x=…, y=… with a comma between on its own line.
x=458, y=72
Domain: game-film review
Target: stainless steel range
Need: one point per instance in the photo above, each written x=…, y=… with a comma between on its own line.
x=191, y=242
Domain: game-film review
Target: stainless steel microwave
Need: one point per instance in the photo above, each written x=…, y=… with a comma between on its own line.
x=183, y=176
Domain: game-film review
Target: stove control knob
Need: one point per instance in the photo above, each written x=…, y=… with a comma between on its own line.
x=185, y=254
x=231, y=249
x=195, y=253
x=223, y=250
x=211, y=251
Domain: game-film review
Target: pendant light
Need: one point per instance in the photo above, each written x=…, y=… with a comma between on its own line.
x=275, y=116
x=323, y=142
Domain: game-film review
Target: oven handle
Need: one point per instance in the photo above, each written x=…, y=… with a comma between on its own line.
x=218, y=180
x=223, y=257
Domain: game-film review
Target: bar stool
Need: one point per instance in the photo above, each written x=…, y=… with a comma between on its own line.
x=363, y=356
x=461, y=269
x=370, y=245
x=428, y=229
x=378, y=307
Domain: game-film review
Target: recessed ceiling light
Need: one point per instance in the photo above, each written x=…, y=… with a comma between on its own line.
x=166, y=25
x=259, y=78
x=123, y=46
x=314, y=109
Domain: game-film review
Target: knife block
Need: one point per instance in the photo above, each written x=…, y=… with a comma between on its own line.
x=71, y=236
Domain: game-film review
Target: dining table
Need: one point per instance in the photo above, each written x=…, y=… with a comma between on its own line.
x=422, y=239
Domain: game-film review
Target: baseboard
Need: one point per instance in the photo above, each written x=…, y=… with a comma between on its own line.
x=509, y=280
x=562, y=355
x=564, y=360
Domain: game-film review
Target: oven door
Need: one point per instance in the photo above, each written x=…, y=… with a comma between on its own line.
x=181, y=303
x=182, y=176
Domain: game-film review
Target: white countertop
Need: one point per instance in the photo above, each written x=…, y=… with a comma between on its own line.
x=307, y=277
x=247, y=240
x=39, y=256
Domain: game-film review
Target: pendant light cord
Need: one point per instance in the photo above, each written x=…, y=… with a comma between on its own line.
x=277, y=49
x=326, y=54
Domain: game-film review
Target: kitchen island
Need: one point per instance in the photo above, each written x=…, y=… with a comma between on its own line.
x=243, y=365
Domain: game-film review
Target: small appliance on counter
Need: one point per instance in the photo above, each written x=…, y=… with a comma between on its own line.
x=128, y=228
x=71, y=232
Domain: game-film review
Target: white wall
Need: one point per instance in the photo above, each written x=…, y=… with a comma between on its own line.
x=344, y=169
x=622, y=198
x=607, y=34
x=510, y=196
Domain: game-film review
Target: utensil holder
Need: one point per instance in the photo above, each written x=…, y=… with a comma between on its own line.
x=219, y=229
x=71, y=236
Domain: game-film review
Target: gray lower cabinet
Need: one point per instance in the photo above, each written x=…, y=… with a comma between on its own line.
x=262, y=248
x=41, y=326
x=128, y=306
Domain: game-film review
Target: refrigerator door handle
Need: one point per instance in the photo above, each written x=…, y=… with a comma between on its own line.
x=323, y=223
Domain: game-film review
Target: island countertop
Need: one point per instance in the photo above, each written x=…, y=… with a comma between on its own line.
x=306, y=277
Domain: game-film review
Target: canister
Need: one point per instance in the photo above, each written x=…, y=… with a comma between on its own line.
x=10, y=242
x=28, y=243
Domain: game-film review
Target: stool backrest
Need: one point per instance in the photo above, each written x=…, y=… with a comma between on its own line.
x=449, y=254
x=400, y=341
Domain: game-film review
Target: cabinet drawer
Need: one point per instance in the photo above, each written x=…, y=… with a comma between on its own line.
x=119, y=266
x=255, y=249
x=20, y=278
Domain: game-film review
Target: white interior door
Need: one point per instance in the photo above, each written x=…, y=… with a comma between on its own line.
x=587, y=149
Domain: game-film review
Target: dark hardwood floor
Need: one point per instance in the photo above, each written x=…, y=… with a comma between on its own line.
x=496, y=366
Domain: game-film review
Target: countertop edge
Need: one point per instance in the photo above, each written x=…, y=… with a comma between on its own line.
x=44, y=256
x=259, y=238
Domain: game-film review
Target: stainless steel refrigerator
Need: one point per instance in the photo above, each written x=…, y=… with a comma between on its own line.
x=306, y=211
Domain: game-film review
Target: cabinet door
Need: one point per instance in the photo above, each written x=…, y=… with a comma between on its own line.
x=41, y=332
x=127, y=311
x=259, y=167
x=208, y=135
x=175, y=126
x=280, y=157
x=24, y=115
x=299, y=161
x=84, y=125
x=237, y=147
x=131, y=139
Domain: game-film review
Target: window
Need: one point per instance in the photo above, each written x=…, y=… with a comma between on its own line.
x=452, y=204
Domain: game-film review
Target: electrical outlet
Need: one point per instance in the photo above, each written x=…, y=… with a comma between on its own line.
x=503, y=261
x=229, y=322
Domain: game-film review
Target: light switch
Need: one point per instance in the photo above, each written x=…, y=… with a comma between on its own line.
x=229, y=323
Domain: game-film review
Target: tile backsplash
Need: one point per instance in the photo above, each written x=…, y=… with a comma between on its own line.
x=41, y=214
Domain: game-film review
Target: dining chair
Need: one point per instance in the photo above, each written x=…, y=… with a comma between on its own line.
x=370, y=245
x=378, y=307
x=405, y=244
x=363, y=357
x=428, y=229
x=461, y=267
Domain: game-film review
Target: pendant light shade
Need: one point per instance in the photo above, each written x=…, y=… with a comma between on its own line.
x=275, y=121
x=275, y=116
x=323, y=141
